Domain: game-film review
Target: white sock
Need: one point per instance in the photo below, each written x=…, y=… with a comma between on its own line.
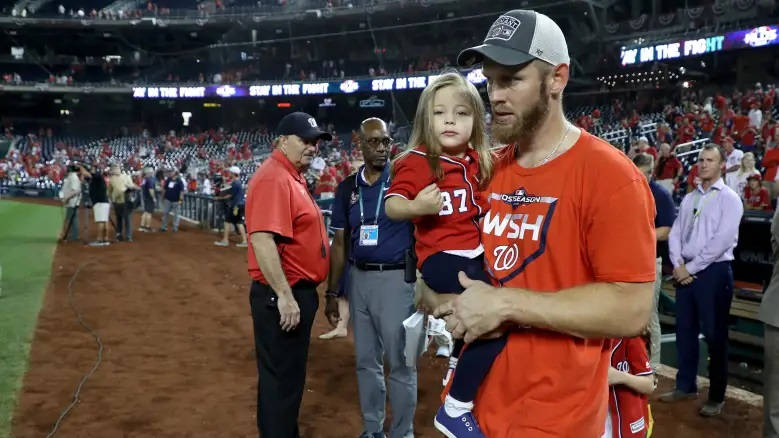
x=452, y=362
x=455, y=408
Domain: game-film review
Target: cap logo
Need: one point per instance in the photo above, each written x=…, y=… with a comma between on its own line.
x=503, y=28
x=312, y=122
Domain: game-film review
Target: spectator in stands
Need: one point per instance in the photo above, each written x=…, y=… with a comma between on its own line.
x=707, y=124
x=769, y=315
x=172, y=198
x=686, y=131
x=234, y=213
x=645, y=148
x=755, y=195
x=149, y=197
x=118, y=185
x=738, y=180
x=771, y=164
x=71, y=196
x=740, y=122
x=101, y=209
x=701, y=246
x=664, y=133
x=669, y=169
x=733, y=155
x=755, y=116
x=664, y=218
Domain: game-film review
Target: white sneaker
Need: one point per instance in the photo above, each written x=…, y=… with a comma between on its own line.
x=443, y=351
x=242, y=245
x=220, y=243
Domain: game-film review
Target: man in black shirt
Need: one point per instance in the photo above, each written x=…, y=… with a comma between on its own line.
x=98, y=194
x=234, y=209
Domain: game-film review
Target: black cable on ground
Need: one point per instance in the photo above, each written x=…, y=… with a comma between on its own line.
x=97, y=362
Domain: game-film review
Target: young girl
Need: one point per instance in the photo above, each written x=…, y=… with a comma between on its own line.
x=631, y=380
x=435, y=184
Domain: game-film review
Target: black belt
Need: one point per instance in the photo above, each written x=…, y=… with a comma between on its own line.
x=379, y=266
x=300, y=284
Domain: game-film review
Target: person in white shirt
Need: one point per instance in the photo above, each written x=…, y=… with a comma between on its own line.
x=71, y=196
x=738, y=180
x=734, y=156
x=755, y=117
x=206, y=186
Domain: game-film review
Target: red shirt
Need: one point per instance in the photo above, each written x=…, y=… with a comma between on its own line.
x=748, y=137
x=549, y=228
x=668, y=169
x=686, y=134
x=692, y=175
x=770, y=163
x=455, y=227
x=720, y=102
x=278, y=202
x=768, y=102
x=651, y=151
x=740, y=123
x=758, y=199
x=707, y=123
x=628, y=409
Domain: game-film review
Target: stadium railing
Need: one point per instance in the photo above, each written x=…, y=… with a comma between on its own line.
x=208, y=212
x=203, y=210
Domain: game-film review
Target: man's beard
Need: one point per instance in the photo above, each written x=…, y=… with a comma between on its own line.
x=527, y=123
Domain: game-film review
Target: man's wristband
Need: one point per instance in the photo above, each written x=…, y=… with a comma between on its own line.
x=331, y=294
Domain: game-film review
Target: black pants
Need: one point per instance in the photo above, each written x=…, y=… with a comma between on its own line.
x=124, y=227
x=281, y=359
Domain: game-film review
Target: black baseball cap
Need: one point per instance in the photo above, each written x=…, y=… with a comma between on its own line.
x=303, y=125
x=517, y=37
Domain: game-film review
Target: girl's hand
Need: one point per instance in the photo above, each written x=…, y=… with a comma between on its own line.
x=429, y=201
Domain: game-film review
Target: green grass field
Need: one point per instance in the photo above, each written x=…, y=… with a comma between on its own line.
x=28, y=235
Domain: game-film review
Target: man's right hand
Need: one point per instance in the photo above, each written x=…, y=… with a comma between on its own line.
x=289, y=312
x=429, y=201
x=331, y=310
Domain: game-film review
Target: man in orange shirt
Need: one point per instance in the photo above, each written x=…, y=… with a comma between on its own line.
x=288, y=258
x=565, y=210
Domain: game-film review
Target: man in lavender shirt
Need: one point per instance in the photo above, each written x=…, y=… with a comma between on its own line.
x=700, y=246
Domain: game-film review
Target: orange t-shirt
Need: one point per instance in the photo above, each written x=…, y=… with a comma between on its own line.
x=587, y=216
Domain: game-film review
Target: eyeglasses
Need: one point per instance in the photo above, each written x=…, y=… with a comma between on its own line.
x=374, y=142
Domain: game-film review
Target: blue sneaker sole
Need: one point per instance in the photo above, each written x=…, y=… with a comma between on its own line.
x=441, y=428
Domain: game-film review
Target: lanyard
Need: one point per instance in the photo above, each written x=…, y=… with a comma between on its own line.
x=378, y=205
x=697, y=211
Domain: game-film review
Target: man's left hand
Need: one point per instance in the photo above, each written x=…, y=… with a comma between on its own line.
x=474, y=312
x=683, y=276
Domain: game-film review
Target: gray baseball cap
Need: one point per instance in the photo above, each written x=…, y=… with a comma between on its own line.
x=517, y=37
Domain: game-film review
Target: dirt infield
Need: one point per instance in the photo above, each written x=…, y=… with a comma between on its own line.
x=172, y=311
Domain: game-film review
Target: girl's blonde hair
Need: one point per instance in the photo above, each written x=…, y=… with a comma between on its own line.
x=423, y=132
x=747, y=155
